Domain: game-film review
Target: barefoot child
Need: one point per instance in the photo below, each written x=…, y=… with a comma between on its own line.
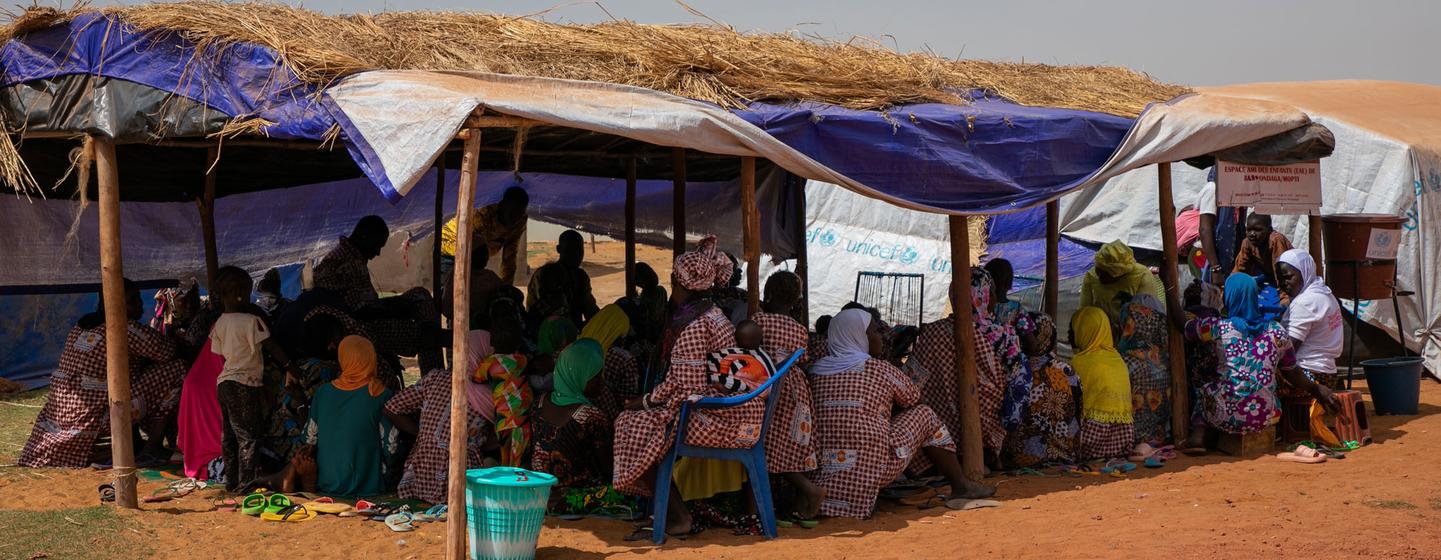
x=242, y=338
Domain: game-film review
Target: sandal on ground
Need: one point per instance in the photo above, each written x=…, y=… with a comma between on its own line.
x=1153, y=462
x=1142, y=452
x=107, y=492
x=177, y=489
x=225, y=504
x=795, y=520
x=1303, y=454
x=292, y=514
x=277, y=502
x=966, y=504
x=331, y=507
x=400, y=522
x=254, y=504
x=918, y=498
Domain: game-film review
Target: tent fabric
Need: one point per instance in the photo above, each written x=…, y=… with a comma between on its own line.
x=1387, y=161
x=396, y=122
x=239, y=80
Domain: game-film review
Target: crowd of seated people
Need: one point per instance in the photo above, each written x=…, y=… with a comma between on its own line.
x=307, y=394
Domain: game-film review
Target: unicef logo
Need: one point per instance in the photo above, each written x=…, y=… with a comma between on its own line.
x=829, y=239
x=909, y=255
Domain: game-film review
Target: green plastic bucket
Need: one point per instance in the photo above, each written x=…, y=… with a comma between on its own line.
x=504, y=508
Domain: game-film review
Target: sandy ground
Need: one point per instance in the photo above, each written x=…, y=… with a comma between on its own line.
x=605, y=263
x=1384, y=501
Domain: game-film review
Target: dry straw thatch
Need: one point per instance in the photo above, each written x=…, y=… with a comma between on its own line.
x=705, y=62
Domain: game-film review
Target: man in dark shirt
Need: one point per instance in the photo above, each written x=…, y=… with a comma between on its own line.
x=562, y=287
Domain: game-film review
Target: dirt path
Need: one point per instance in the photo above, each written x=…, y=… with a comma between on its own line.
x=1384, y=501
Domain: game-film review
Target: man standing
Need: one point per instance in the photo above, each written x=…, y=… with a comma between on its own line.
x=562, y=288
x=501, y=225
x=1220, y=231
x=403, y=325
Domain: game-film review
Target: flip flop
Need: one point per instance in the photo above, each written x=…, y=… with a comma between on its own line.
x=918, y=498
x=177, y=489
x=400, y=522
x=1154, y=462
x=277, y=502
x=1302, y=454
x=225, y=504
x=107, y=492
x=966, y=504
x=254, y=504
x=795, y=519
x=1142, y=452
x=333, y=508
x=292, y=514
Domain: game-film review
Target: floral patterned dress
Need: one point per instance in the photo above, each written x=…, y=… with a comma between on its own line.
x=644, y=437
x=578, y=454
x=790, y=442
x=864, y=443
x=1242, y=399
x=1144, y=347
x=1048, y=433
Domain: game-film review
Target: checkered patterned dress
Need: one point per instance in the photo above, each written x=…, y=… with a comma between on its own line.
x=643, y=437
x=425, y=472
x=621, y=374
x=790, y=442
x=1100, y=440
x=78, y=409
x=933, y=366
x=863, y=445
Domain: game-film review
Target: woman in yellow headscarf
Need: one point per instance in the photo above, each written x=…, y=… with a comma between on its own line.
x=621, y=369
x=1106, y=427
x=345, y=416
x=1117, y=278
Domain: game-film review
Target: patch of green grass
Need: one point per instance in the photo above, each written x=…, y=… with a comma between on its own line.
x=93, y=532
x=1390, y=504
x=17, y=414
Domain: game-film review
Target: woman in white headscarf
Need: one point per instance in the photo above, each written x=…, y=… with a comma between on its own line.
x=863, y=444
x=1313, y=321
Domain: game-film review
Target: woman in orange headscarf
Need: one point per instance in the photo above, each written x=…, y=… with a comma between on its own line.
x=345, y=417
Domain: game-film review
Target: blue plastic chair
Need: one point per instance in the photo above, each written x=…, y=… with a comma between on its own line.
x=754, y=458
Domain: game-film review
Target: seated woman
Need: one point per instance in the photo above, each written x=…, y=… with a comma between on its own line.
x=621, y=371
x=1002, y=385
x=353, y=440
x=555, y=334
x=573, y=436
x=790, y=442
x=1050, y=426
x=1144, y=346
x=78, y=410
x=1313, y=321
x=1117, y=278
x=644, y=432
x=423, y=410
x=1252, y=351
x=869, y=423
x=1106, y=430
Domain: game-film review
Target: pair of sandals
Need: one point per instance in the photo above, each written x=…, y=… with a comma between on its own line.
x=1152, y=457
x=261, y=502
x=404, y=521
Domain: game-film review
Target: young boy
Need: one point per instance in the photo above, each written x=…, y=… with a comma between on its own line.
x=242, y=338
x=1261, y=249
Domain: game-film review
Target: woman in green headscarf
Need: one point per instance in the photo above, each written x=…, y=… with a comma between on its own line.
x=573, y=436
x=1117, y=278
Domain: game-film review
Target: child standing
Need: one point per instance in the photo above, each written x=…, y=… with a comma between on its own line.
x=241, y=337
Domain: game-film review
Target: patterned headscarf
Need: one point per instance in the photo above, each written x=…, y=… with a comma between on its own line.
x=1041, y=327
x=703, y=268
x=1011, y=376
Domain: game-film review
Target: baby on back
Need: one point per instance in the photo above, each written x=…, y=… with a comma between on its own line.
x=744, y=368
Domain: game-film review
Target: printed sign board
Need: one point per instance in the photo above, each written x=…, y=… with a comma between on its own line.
x=1270, y=189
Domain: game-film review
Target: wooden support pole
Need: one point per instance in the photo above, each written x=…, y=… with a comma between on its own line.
x=1314, y=242
x=1180, y=392
x=117, y=339
x=630, y=227
x=455, y=548
x=435, y=281
x=1053, y=257
x=803, y=266
x=751, y=235
x=677, y=211
x=963, y=328
x=207, y=218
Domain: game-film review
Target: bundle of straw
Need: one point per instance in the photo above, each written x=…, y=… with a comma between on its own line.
x=711, y=63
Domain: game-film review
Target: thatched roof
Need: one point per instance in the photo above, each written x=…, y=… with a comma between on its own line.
x=705, y=62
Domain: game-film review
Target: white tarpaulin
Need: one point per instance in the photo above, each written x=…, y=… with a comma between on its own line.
x=1387, y=161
